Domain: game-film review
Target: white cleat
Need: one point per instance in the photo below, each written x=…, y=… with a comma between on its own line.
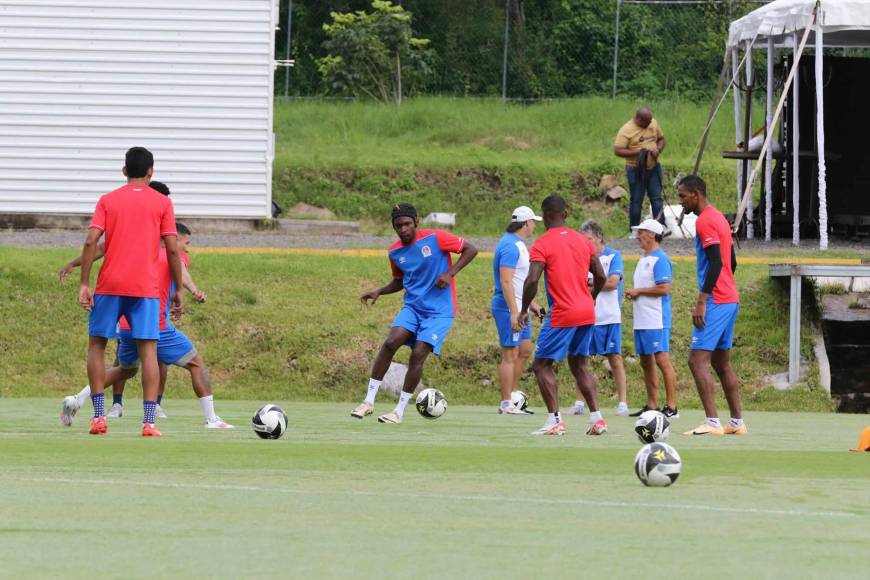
x=160, y=413
x=557, y=429
x=622, y=410
x=510, y=410
x=116, y=411
x=391, y=417
x=71, y=406
x=362, y=410
x=218, y=423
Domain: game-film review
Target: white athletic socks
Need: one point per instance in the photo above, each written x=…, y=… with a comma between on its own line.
x=505, y=404
x=84, y=395
x=553, y=418
x=580, y=404
x=713, y=421
x=374, y=385
x=403, y=402
x=736, y=422
x=595, y=416
x=207, y=404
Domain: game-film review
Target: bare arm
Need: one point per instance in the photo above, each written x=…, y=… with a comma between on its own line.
x=89, y=252
x=625, y=152
x=467, y=254
x=530, y=287
x=658, y=290
x=393, y=286
x=506, y=277
x=612, y=282
x=190, y=285
x=75, y=263
x=174, y=259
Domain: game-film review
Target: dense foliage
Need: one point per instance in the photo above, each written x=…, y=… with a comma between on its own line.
x=557, y=48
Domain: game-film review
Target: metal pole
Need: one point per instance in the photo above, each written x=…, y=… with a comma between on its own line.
x=768, y=159
x=747, y=136
x=738, y=128
x=616, y=49
x=289, y=30
x=794, y=330
x=507, y=19
x=795, y=146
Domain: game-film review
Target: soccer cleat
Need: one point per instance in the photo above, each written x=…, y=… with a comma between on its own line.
x=117, y=410
x=391, y=417
x=597, y=428
x=98, y=426
x=730, y=429
x=71, y=406
x=576, y=410
x=642, y=410
x=362, y=410
x=551, y=429
x=705, y=429
x=622, y=410
x=671, y=413
x=150, y=430
x=159, y=412
x=218, y=423
x=510, y=410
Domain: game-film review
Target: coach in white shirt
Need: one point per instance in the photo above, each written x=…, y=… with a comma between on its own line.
x=607, y=334
x=652, y=317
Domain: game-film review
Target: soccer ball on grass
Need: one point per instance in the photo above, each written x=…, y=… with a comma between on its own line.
x=652, y=426
x=431, y=403
x=520, y=400
x=269, y=422
x=657, y=465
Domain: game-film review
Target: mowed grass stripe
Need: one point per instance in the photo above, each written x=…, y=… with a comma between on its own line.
x=376, y=253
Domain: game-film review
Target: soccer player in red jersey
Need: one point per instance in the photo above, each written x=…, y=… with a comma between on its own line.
x=134, y=219
x=566, y=258
x=715, y=312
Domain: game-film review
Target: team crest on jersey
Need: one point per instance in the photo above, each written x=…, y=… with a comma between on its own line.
x=427, y=251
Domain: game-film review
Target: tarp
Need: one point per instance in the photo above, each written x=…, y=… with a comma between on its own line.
x=843, y=22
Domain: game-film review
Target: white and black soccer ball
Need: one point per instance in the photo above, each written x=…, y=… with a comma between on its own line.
x=431, y=403
x=269, y=422
x=657, y=465
x=652, y=426
x=520, y=400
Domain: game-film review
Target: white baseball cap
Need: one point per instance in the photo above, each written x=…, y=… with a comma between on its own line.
x=650, y=226
x=523, y=214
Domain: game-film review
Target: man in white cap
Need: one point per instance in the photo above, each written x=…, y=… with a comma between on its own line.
x=510, y=266
x=651, y=295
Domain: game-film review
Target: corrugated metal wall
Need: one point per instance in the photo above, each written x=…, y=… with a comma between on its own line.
x=81, y=81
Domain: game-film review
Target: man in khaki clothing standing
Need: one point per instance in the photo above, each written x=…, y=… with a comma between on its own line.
x=641, y=142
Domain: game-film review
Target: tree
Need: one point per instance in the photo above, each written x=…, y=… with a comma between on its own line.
x=374, y=54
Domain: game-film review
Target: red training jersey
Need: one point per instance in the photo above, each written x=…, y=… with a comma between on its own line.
x=134, y=219
x=712, y=228
x=566, y=255
x=166, y=288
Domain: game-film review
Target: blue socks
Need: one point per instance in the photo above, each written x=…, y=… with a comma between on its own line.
x=117, y=399
x=99, y=402
x=150, y=411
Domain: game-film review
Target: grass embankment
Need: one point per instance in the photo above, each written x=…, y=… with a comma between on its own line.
x=290, y=327
x=478, y=158
x=452, y=498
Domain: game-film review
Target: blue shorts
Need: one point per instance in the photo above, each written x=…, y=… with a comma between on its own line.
x=557, y=343
x=506, y=334
x=652, y=340
x=143, y=314
x=173, y=348
x=429, y=329
x=718, y=333
x=607, y=339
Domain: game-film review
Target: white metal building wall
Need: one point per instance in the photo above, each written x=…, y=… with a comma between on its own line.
x=81, y=81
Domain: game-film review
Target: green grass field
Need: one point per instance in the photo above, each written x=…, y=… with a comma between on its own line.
x=470, y=495
x=291, y=327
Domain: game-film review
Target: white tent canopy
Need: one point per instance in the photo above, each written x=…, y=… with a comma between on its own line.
x=791, y=24
x=844, y=23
